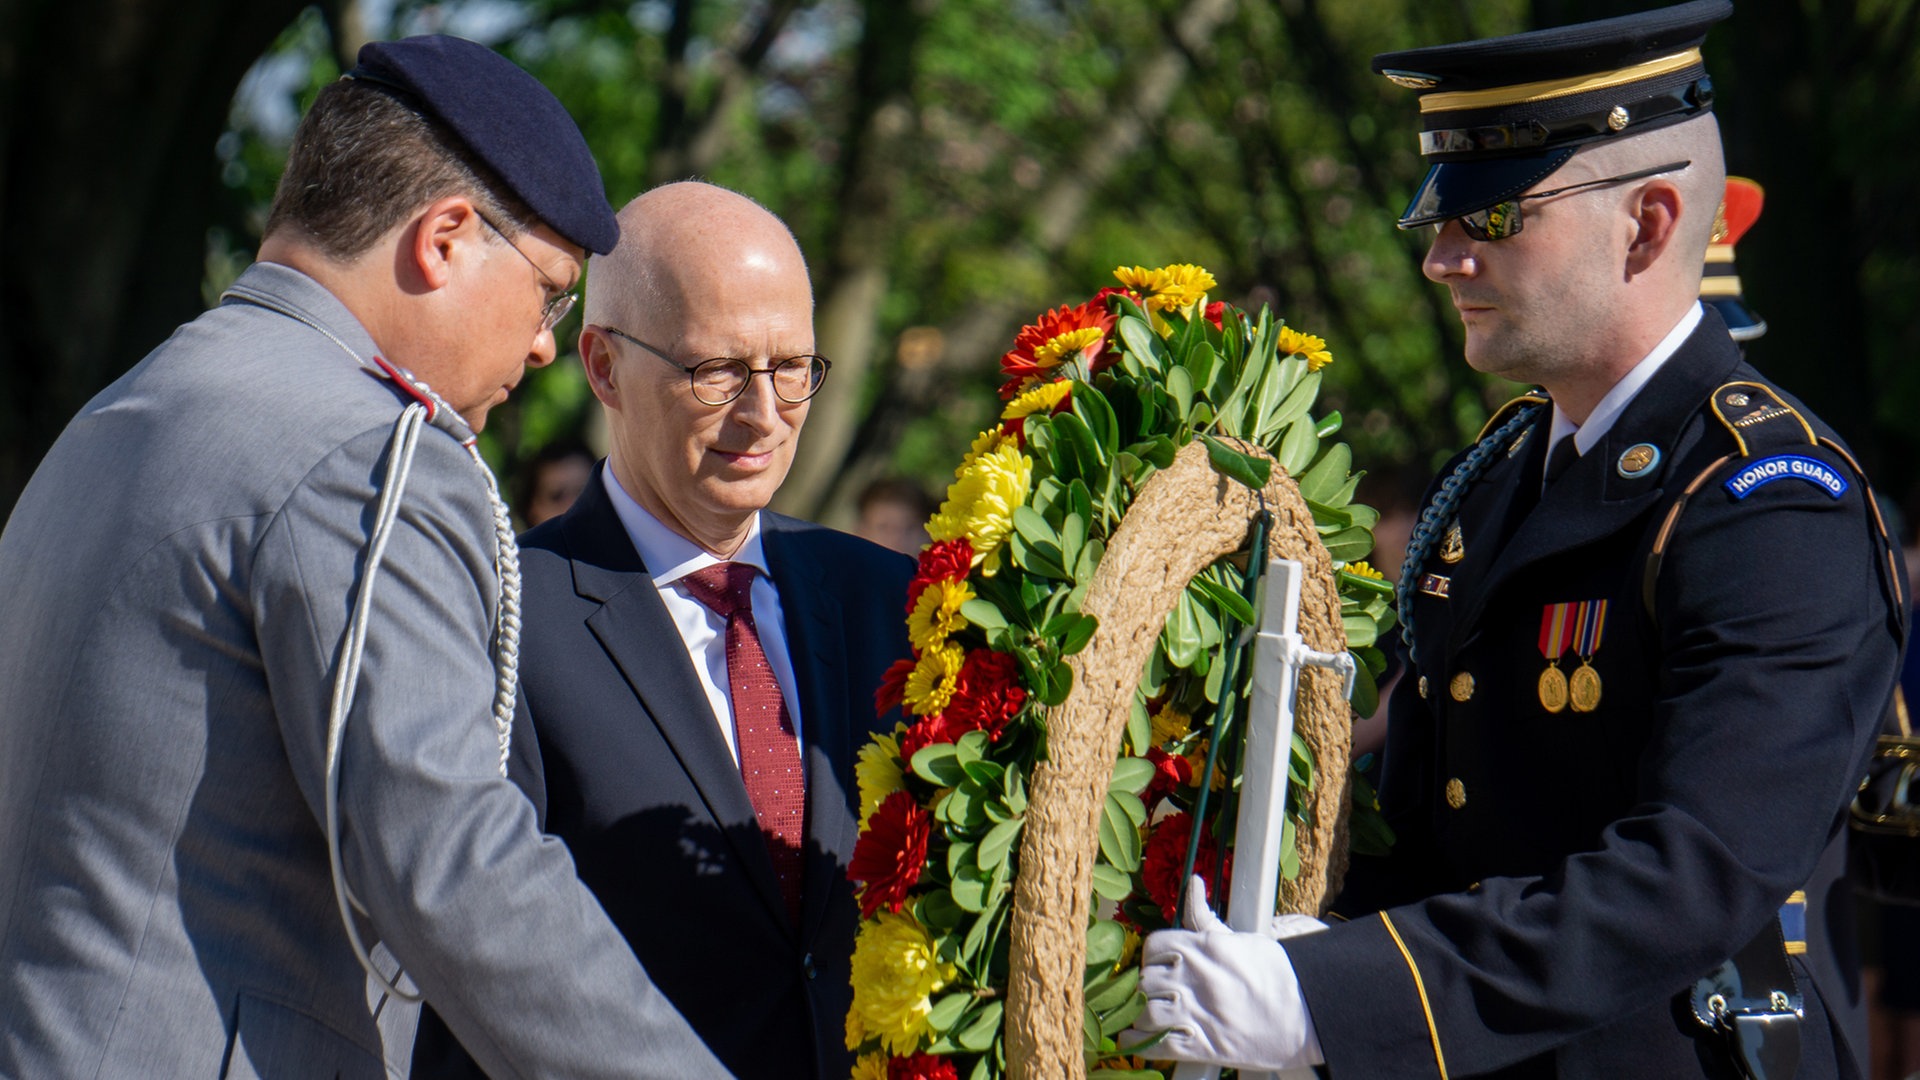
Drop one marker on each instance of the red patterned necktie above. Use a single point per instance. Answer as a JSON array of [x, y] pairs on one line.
[[762, 728]]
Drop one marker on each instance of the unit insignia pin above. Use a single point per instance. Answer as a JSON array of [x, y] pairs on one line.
[[1453, 546], [1617, 118], [1737, 399], [1638, 460]]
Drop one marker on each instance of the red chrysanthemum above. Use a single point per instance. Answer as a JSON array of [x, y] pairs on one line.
[[1215, 312], [925, 732], [893, 687], [943, 560], [1166, 851], [1170, 771], [1060, 336], [921, 1067], [890, 854], [987, 693]]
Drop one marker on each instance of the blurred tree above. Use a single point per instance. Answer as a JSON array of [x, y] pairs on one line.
[[954, 166]]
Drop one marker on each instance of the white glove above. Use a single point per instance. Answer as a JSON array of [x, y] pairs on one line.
[[1225, 998]]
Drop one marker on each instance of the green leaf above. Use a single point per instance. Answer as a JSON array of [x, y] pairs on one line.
[[1079, 634], [1351, 582], [969, 888], [1130, 805], [984, 773], [1181, 635], [1030, 524], [1159, 452], [1361, 630], [983, 614], [1119, 837], [1131, 775], [1299, 446], [1139, 725], [1084, 456], [1180, 387], [1111, 884], [1293, 408], [1249, 470], [1112, 992], [939, 765], [985, 1027], [1349, 545], [1329, 425], [1325, 478], [1039, 558], [1226, 599], [947, 1010], [999, 841], [1059, 684], [1106, 942], [1091, 406], [1366, 692], [1139, 340], [937, 911], [1073, 534]]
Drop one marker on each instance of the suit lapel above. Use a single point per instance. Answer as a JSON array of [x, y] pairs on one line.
[[1592, 499], [633, 626], [816, 642]]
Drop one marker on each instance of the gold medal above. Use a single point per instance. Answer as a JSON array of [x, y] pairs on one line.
[[1453, 546], [1584, 688], [1553, 689]]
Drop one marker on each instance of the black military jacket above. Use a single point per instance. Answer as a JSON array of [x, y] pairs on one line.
[[1560, 876]]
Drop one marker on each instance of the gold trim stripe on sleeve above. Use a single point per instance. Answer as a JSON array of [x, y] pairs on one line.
[[1523, 93], [1419, 985]]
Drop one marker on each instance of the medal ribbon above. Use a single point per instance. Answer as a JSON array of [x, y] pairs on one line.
[[1592, 626], [1557, 629]]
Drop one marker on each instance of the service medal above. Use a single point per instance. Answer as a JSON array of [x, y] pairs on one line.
[[1556, 634], [1553, 689], [1584, 688]]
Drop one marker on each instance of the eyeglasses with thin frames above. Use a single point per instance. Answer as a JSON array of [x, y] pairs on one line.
[[1504, 218], [556, 307], [719, 380]]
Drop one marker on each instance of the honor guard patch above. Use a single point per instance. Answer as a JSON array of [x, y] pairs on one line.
[[1758, 474]]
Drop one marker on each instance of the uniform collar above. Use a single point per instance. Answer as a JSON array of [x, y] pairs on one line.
[[1588, 435]]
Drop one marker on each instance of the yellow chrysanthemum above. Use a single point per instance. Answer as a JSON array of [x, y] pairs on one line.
[[877, 773], [1129, 950], [1169, 288], [994, 479], [895, 975], [1366, 570], [1065, 345], [1170, 724], [1294, 343], [936, 615], [930, 686], [1041, 399], [1197, 761], [870, 1067]]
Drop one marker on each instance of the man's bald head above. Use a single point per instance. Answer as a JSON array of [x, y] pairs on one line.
[[679, 244], [700, 274]]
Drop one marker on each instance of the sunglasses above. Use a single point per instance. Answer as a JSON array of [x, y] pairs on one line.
[[1504, 218]]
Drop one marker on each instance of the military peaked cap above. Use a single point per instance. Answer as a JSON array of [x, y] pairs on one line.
[[510, 122], [1720, 282], [1501, 114]]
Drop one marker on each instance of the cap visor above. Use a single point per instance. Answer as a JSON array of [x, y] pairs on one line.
[[1454, 188], [1742, 324]]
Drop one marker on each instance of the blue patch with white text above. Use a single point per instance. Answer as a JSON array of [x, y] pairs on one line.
[[1758, 474]]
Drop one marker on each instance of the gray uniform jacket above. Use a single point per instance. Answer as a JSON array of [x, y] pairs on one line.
[[174, 585]]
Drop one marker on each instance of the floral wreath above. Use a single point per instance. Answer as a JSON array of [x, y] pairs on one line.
[[1098, 398]]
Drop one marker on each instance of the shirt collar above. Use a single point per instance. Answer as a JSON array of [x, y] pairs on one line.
[[1588, 435], [668, 555]]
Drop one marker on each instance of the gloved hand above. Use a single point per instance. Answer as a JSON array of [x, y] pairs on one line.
[[1225, 998]]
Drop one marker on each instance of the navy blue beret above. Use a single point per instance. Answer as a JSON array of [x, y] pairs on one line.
[[1500, 114], [510, 122]]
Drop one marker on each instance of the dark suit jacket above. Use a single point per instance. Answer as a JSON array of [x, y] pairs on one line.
[[625, 760], [1559, 877]]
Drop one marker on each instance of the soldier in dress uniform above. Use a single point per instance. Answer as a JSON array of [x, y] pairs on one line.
[[1654, 621], [261, 599]]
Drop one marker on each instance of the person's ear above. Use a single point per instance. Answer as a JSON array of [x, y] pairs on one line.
[[596, 355], [438, 233], [1656, 218]]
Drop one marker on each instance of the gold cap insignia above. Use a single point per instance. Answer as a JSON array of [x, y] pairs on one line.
[[1456, 793], [1737, 399], [1461, 686], [1638, 460], [1617, 118]]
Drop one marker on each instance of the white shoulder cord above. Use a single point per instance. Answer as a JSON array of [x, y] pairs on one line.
[[400, 451]]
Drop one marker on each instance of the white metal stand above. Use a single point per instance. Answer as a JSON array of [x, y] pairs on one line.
[[1278, 655]]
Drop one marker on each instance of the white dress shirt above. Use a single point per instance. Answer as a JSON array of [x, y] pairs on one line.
[[671, 557], [1588, 435]]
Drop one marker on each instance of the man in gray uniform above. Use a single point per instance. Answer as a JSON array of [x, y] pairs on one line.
[[261, 603]]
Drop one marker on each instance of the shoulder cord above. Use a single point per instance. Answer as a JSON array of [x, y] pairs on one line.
[[400, 451], [1440, 513]]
